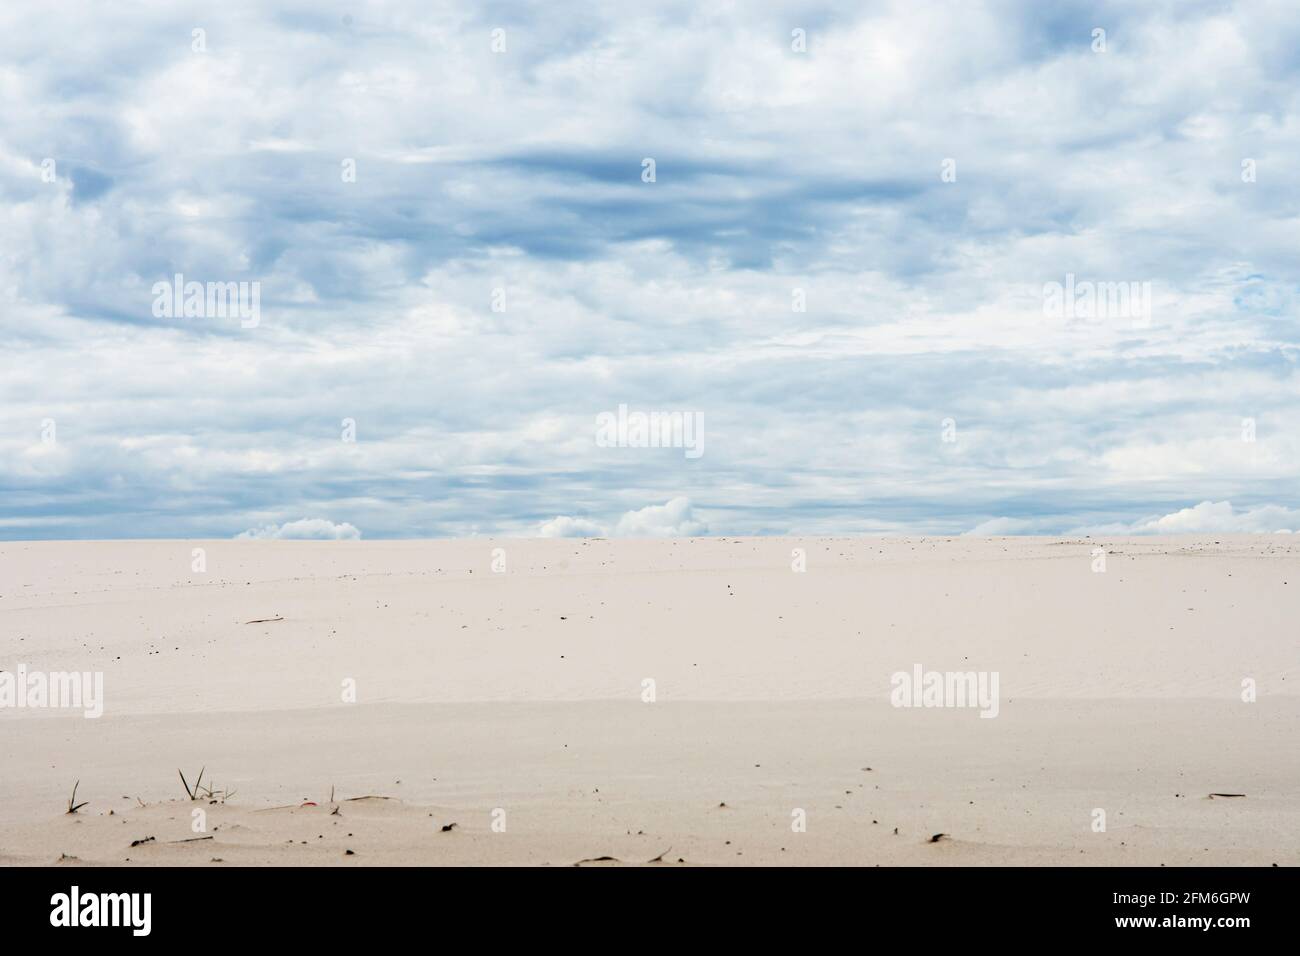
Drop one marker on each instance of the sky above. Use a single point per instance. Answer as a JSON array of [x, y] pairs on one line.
[[854, 244]]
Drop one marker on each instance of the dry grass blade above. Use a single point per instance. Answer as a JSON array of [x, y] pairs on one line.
[[192, 792], [73, 805]]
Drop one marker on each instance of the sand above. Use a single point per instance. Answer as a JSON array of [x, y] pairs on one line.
[[512, 704]]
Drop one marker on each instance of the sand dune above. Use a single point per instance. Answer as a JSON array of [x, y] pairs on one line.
[[513, 704]]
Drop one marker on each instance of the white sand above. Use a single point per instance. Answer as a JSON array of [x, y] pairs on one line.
[[522, 691]]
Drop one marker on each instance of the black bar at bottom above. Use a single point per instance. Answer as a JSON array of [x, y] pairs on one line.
[[323, 906]]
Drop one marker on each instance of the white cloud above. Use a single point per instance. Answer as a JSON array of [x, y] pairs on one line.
[[563, 526], [674, 519], [315, 529], [1208, 517], [671, 520], [998, 527], [1212, 516]]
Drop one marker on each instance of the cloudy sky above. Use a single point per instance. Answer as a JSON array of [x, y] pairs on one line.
[[841, 264]]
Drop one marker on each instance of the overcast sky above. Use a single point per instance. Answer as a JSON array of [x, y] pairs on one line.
[[499, 272]]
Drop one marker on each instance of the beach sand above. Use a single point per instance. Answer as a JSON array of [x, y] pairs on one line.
[[512, 704]]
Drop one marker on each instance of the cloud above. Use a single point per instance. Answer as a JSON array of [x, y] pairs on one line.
[[998, 527], [1216, 517], [315, 529], [671, 520], [563, 526], [674, 519]]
